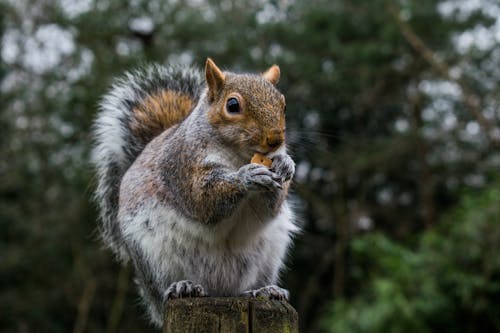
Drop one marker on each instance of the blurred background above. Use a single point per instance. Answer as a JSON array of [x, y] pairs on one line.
[[393, 117]]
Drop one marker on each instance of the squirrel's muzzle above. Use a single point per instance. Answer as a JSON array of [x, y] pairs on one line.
[[274, 140]]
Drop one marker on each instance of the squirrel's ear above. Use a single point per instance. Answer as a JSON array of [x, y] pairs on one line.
[[272, 74], [215, 78]]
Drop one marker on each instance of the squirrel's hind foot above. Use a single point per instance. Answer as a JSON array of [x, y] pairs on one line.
[[272, 292], [184, 288]]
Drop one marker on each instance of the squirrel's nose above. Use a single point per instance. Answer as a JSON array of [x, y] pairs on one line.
[[274, 141]]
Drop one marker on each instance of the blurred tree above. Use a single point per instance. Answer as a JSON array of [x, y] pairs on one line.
[[393, 136]]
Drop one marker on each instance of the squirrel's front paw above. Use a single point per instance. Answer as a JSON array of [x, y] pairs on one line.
[[271, 292], [182, 289], [256, 176], [284, 166]]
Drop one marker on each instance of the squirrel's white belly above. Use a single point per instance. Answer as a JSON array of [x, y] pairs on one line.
[[226, 259]]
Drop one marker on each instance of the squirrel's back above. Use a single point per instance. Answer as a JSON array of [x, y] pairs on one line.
[[139, 106]]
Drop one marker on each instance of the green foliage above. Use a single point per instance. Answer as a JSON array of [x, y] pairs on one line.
[[449, 281]]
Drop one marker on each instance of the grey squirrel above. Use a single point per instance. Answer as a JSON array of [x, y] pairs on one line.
[[178, 196]]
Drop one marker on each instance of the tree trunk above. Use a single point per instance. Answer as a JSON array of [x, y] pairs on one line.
[[228, 315]]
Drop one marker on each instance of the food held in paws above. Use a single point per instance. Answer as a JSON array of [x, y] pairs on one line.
[[261, 159]]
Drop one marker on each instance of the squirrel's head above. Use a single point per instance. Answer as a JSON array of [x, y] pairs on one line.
[[246, 109]]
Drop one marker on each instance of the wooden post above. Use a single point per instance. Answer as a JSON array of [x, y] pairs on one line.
[[229, 315]]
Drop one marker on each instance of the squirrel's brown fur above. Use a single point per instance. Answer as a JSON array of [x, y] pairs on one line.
[[159, 112]]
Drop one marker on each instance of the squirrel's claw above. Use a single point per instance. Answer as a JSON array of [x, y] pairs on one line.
[[271, 292], [284, 166], [182, 289], [256, 176]]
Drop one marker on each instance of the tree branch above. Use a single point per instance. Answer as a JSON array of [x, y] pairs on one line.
[[117, 307], [470, 100], [84, 306]]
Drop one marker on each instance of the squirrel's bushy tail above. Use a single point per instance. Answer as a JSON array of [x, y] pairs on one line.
[[138, 107]]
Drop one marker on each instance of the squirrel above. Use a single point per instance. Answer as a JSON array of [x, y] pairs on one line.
[[178, 196]]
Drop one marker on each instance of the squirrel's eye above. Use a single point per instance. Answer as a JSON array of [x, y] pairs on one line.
[[232, 105]]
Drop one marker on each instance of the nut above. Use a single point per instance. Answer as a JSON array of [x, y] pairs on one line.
[[261, 159]]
